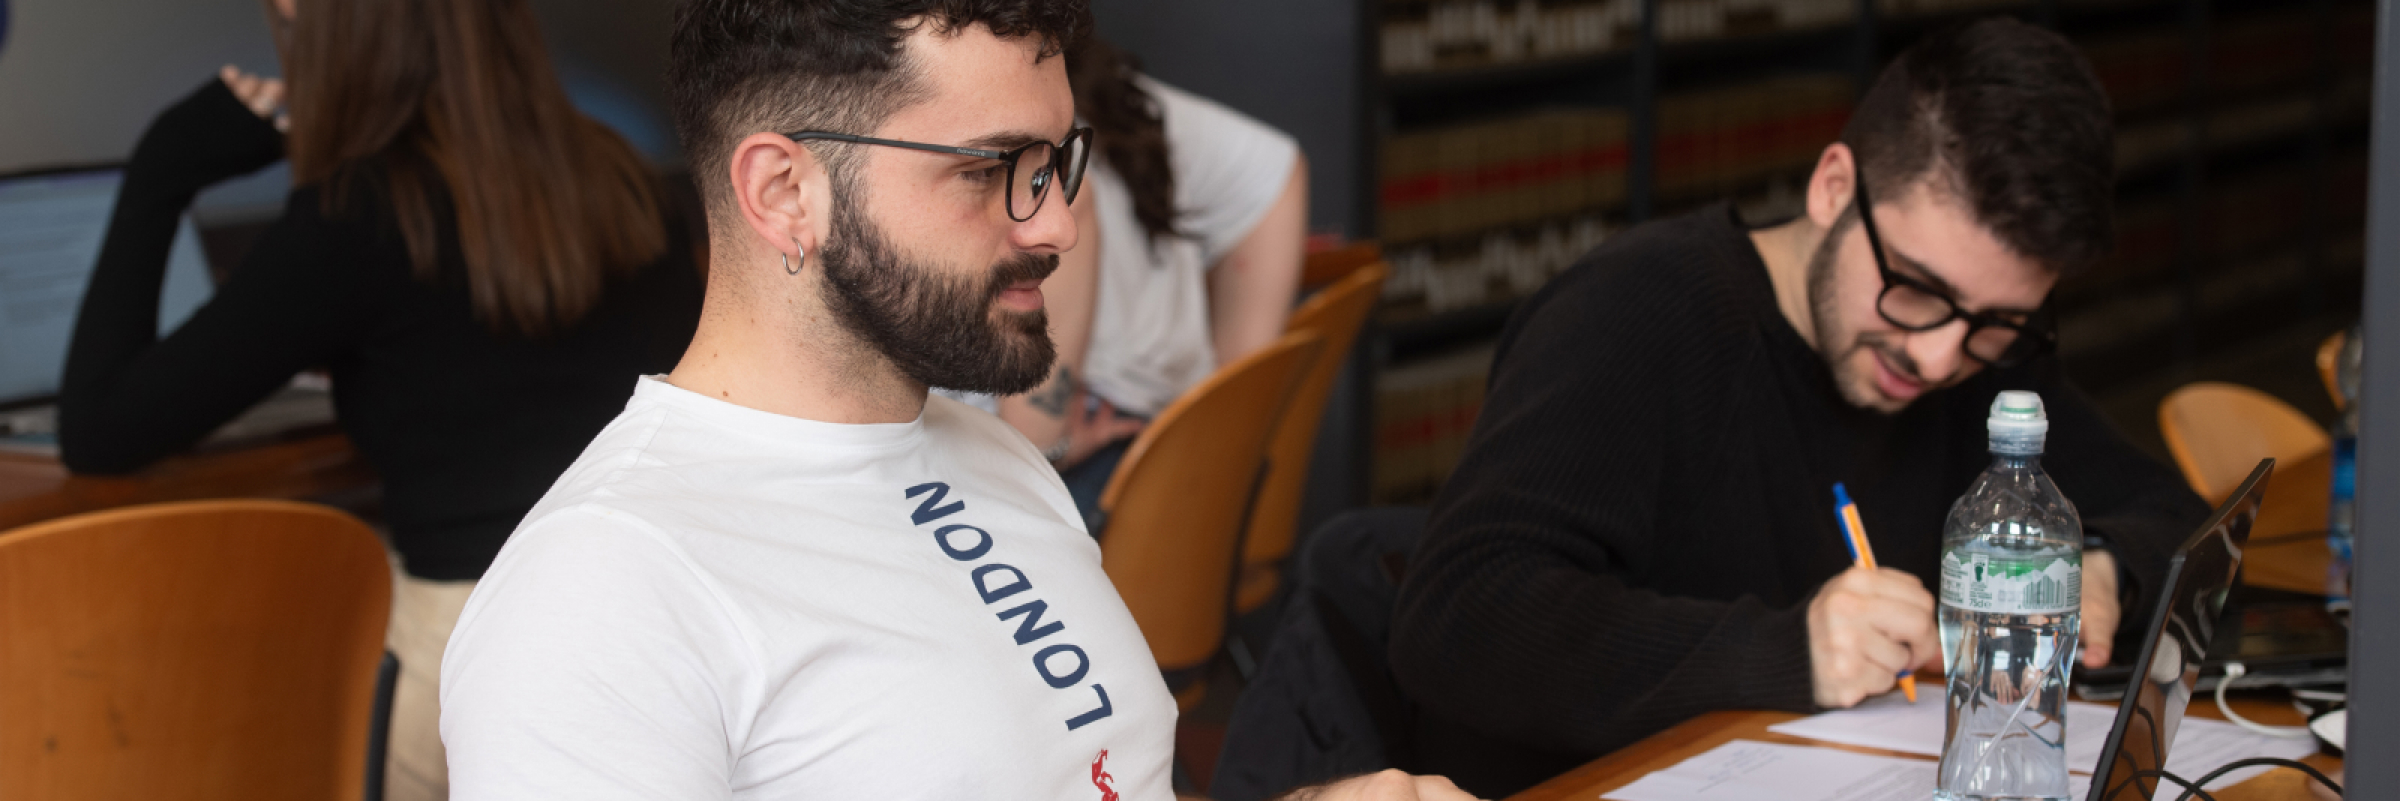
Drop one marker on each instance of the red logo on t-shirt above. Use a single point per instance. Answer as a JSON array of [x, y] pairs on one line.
[[1101, 779]]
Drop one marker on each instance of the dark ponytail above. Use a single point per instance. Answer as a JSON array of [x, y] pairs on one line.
[[1127, 128]]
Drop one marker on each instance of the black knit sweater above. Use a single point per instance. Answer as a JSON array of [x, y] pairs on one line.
[[466, 425], [1646, 508]]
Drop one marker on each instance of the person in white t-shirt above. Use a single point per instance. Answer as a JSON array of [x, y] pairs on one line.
[[1202, 218], [783, 571]]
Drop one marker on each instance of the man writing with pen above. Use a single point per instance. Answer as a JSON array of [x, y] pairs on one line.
[[1641, 530]]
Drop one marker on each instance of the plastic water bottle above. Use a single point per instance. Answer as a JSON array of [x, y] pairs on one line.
[[2012, 593], [2345, 476]]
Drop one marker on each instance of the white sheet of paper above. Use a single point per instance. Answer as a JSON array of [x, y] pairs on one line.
[[1891, 722], [1748, 770]]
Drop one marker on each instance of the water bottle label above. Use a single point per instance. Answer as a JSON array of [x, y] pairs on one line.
[[1979, 583]]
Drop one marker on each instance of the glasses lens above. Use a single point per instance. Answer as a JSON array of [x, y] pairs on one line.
[[1994, 343], [1034, 172], [1079, 150], [1912, 308]]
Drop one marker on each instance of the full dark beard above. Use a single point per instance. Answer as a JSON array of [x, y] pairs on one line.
[[940, 331]]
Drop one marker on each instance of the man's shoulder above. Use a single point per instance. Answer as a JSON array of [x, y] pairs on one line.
[[613, 459], [1690, 280], [1699, 259]]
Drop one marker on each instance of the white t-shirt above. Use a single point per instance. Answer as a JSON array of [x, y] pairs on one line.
[[1150, 331], [719, 602]]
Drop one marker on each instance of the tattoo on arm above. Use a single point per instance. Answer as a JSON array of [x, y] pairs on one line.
[[1051, 399]]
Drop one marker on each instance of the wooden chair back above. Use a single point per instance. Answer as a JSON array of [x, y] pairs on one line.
[[1327, 267], [1175, 508], [2329, 365], [203, 649], [1335, 314], [2218, 432]]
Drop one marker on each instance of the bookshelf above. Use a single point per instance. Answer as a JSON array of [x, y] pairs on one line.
[[1510, 137], [1487, 143]]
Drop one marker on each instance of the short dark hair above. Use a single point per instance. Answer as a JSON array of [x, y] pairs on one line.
[[737, 67], [2017, 126]]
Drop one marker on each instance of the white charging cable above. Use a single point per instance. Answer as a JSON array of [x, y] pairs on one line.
[[2235, 670]]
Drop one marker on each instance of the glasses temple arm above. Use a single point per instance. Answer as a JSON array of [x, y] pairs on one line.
[[869, 140]]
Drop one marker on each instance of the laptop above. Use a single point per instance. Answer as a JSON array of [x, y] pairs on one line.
[[52, 222], [2182, 631]]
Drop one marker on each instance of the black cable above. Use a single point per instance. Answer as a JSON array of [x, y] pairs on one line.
[[2239, 764], [2191, 789], [2131, 780]]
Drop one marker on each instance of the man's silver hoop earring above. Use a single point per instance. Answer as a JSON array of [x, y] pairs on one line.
[[794, 269]]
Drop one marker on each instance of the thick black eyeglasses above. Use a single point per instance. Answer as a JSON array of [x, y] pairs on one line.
[[1915, 306], [1032, 168]]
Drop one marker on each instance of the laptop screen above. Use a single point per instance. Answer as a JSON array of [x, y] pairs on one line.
[[51, 225], [2183, 628]]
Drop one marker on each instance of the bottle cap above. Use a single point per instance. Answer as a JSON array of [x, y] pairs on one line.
[[2018, 423]]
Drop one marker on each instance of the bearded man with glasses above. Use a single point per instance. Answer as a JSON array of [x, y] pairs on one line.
[[785, 571], [1642, 528]]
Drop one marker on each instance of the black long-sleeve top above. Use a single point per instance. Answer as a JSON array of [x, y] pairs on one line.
[[1645, 509], [466, 425]]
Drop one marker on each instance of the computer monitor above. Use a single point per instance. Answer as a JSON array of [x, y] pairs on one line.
[[51, 226], [2182, 630]]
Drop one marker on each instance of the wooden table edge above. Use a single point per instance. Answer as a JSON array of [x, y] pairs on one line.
[[1693, 737]]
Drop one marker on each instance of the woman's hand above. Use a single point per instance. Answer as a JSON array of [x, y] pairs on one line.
[[229, 127], [262, 95], [1089, 429]]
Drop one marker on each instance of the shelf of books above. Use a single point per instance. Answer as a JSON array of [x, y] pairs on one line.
[[2237, 199], [1517, 135], [1424, 411]]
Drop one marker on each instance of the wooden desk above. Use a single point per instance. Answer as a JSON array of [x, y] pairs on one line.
[[2289, 553], [297, 466], [1700, 734]]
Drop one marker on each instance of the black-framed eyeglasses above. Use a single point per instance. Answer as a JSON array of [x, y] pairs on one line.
[[1916, 306], [1032, 168]]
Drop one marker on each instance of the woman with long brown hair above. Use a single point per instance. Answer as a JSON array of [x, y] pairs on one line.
[[483, 270]]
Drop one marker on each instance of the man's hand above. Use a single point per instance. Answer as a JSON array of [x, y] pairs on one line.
[[1864, 628], [2100, 610], [1390, 785]]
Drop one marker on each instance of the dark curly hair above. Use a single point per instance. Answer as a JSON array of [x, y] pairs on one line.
[[737, 67], [2010, 118], [1126, 125]]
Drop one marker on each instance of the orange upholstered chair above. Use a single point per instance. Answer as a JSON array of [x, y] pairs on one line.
[[1336, 314], [2218, 432], [2329, 364], [1173, 514], [206, 649]]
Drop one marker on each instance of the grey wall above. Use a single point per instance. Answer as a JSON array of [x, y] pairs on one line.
[[1292, 65], [612, 55], [79, 79]]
